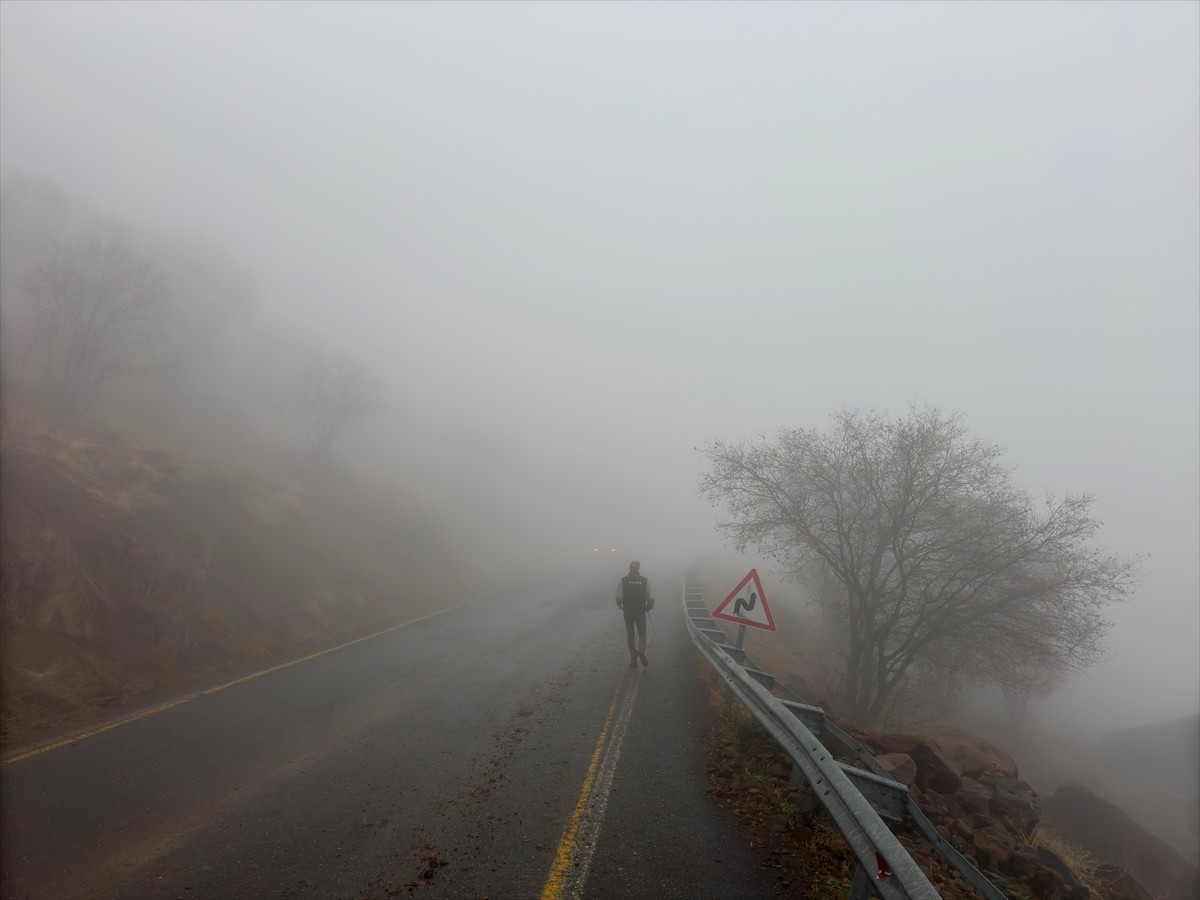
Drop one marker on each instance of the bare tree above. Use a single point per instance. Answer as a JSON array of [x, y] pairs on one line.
[[938, 559], [1028, 682], [97, 304], [326, 397]]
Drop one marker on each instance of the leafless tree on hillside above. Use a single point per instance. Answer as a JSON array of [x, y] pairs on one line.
[[97, 304], [1033, 679], [939, 558], [328, 396]]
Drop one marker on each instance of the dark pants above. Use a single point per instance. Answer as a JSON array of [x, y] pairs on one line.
[[635, 617]]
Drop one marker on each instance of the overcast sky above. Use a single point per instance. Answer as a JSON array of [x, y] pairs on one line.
[[603, 234]]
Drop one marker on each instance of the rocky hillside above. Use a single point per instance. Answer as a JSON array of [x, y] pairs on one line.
[[127, 569], [1082, 849], [1070, 845]]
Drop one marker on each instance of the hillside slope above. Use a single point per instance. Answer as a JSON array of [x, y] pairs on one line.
[[126, 569], [1070, 846]]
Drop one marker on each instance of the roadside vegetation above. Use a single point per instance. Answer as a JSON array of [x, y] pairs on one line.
[[129, 569], [174, 505], [913, 538]]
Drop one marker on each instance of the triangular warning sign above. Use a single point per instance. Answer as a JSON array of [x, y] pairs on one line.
[[747, 605]]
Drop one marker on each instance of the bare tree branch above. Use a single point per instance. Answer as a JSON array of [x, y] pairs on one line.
[[97, 304], [327, 397], [926, 552]]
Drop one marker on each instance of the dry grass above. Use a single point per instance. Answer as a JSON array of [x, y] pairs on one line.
[[748, 771], [97, 463], [1080, 860]]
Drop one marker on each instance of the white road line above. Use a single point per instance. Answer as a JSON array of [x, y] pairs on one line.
[[597, 802]]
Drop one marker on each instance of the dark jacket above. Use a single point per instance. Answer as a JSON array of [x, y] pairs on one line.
[[634, 594]]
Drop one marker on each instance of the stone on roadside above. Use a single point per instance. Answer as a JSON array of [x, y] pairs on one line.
[[994, 845], [934, 770], [1015, 805], [900, 766]]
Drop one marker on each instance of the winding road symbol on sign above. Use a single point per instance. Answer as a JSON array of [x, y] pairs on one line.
[[747, 605], [741, 603]]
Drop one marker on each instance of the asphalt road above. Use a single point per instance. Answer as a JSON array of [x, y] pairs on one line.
[[500, 749]]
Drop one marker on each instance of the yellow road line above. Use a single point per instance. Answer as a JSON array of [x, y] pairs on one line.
[[155, 710], [562, 857]]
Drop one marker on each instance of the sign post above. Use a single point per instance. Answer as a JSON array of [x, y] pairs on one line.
[[747, 605]]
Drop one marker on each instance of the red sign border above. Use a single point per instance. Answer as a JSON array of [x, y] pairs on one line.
[[762, 596]]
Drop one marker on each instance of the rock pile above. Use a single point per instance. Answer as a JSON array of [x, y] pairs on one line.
[[970, 790]]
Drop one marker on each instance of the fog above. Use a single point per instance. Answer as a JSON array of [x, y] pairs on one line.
[[574, 242]]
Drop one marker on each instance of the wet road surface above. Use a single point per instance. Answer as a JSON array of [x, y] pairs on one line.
[[500, 749]]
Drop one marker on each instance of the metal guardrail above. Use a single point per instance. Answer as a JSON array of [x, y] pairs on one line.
[[857, 800], [948, 851]]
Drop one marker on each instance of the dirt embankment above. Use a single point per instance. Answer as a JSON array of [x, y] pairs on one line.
[[127, 570]]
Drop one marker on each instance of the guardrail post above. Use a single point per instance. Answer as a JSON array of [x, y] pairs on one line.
[[797, 779], [729, 690], [860, 887]]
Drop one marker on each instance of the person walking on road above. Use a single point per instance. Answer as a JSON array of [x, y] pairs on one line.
[[635, 599]]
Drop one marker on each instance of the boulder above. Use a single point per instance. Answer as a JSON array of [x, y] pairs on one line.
[[969, 754], [980, 820], [954, 809], [1025, 863], [962, 829], [1119, 884], [994, 848], [932, 804], [1047, 884], [974, 797], [934, 770], [1055, 863], [900, 766], [1015, 805], [1113, 837]]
